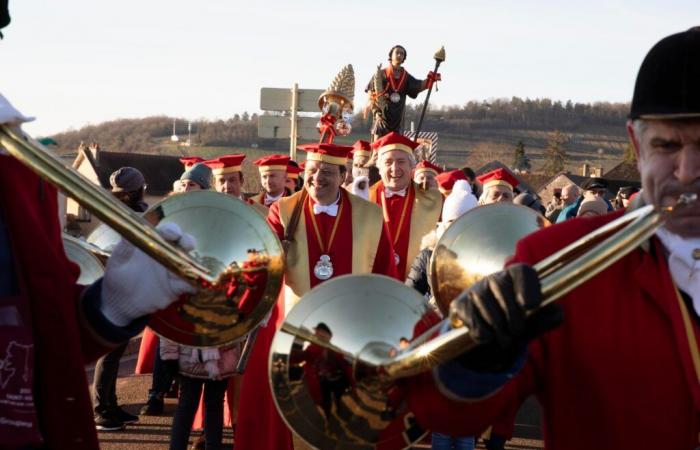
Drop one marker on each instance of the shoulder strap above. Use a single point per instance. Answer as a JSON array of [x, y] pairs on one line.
[[294, 220]]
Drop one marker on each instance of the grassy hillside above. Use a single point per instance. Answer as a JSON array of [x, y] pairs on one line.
[[473, 134]]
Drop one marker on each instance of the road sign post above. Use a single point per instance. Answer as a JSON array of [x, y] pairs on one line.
[[292, 126]]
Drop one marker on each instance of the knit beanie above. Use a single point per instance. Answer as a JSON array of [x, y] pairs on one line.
[[458, 202], [127, 179], [199, 173]]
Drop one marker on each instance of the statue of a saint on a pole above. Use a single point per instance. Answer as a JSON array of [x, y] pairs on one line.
[[388, 89]]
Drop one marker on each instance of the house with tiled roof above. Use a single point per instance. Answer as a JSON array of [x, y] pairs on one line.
[[97, 165]]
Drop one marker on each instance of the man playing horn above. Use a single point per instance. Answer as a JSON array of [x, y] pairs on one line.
[[620, 367]]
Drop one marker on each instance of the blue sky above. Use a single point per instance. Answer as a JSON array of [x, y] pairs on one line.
[[75, 62]]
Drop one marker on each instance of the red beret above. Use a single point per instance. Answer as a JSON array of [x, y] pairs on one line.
[[328, 153], [394, 141], [225, 164], [272, 162], [362, 148], [293, 171], [498, 177], [427, 166], [191, 161], [446, 180]]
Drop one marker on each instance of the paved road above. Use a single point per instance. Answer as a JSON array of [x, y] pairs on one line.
[[153, 433]]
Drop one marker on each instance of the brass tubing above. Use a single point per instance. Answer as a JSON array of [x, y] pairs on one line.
[[454, 342], [103, 205]]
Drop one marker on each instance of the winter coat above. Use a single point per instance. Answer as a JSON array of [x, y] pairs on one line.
[[204, 363]]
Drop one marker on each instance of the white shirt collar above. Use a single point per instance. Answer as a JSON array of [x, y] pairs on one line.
[[683, 263], [270, 199], [388, 193]]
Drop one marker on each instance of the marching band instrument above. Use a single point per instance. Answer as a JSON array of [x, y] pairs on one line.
[[477, 244], [237, 264], [91, 267], [369, 316]]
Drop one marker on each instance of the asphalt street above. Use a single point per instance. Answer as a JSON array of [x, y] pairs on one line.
[[153, 433]]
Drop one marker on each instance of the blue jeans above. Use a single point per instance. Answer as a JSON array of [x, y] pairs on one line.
[[444, 442]]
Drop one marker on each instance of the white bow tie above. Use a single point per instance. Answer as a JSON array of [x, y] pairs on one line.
[[684, 268], [331, 210], [389, 194]]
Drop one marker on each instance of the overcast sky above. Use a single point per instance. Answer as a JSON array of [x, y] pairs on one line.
[[75, 62]]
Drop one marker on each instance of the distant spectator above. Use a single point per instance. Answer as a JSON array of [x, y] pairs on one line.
[[471, 177], [592, 207], [624, 195], [595, 187], [197, 177], [529, 200], [592, 188], [498, 187], [554, 206]]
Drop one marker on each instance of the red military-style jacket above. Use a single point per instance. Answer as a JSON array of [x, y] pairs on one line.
[[66, 336], [621, 372]]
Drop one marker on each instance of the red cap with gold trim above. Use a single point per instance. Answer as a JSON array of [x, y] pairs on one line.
[[498, 177], [293, 171], [190, 161], [225, 164], [272, 162], [362, 148], [328, 153], [394, 141], [446, 180], [427, 166]]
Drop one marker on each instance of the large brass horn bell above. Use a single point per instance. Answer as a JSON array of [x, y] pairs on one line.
[[238, 247], [478, 244], [323, 361], [91, 266]]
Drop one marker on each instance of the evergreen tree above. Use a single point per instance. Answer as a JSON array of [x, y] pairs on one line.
[[521, 163], [555, 153]]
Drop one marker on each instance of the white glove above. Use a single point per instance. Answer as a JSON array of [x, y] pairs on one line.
[[360, 187], [9, 115], [135, 285]]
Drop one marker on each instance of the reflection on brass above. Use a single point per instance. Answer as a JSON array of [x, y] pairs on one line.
[[234, 243], [367, 315], [478, 244], [86, 257], [237, 264], [325, 363]]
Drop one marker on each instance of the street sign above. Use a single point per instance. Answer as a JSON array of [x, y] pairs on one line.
[[278, 99], [293, 100], [280, 127]]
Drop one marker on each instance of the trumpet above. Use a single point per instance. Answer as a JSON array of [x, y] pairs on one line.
[[237, 264], [362, 324]]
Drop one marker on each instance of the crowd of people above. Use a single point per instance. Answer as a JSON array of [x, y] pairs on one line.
[[615, 365]]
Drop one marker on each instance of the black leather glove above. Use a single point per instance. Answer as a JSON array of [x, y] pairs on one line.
[[495, 311]]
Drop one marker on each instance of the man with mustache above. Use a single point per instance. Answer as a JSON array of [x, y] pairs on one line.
[[620, 368]]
